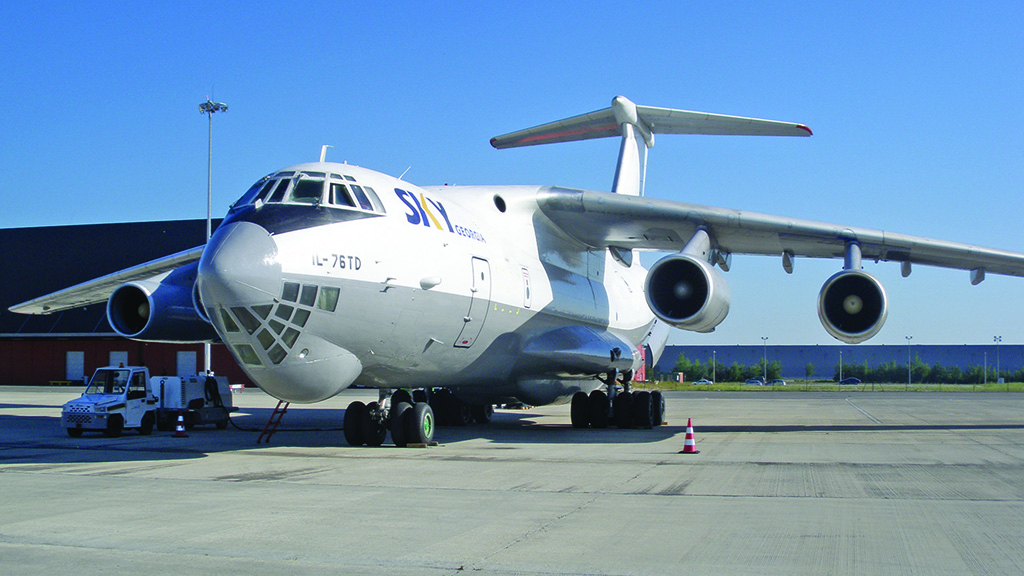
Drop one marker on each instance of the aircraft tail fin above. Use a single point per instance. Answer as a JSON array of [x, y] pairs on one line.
[[635, 123]]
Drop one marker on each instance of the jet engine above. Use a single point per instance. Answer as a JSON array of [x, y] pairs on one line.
[[687, 292], [852, 306], [159, 309]]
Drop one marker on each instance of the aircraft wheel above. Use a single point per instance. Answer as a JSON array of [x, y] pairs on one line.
[[598, 409], [115, 424], [354, 423], [146, 426], [75, 432], [399, 428], [462, 413], [401, 396], [657, 409], [642, 410], [482, 414], [623, 408], [579, 410], [439, 404], [374, 432], [420, 424]]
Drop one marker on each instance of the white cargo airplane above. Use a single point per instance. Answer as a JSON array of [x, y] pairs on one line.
[[325, 275]]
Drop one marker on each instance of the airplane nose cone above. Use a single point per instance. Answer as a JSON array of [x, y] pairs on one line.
[[240, 266]]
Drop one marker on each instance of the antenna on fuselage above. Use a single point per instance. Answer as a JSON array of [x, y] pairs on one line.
[[403, 173], [323, 151]]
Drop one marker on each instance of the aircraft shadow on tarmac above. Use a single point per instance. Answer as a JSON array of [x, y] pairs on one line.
[[775, 429], [40, 440]]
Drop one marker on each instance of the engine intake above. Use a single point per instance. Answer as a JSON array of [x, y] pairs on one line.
[[852, 306], [687, 292], [159, 311]]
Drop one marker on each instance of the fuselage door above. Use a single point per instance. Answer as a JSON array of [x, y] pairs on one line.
[[473, 322]]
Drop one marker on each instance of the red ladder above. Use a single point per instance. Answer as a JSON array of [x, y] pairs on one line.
[[274, 421]]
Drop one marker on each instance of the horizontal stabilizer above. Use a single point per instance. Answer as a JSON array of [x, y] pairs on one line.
[[605, 124]]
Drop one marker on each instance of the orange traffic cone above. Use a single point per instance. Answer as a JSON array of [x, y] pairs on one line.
[[179, 432], [689, 445]]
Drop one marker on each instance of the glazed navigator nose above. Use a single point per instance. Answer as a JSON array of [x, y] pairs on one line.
[[240, 266]]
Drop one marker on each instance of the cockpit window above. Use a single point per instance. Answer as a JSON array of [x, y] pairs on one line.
[[339, 196], [252, 192], [364, 202], [277, 194], [311, 189], [306, 191]]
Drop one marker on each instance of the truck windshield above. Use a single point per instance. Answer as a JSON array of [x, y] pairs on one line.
[[108, 382]]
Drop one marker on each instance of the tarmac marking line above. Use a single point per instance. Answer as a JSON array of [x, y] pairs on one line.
[[870, 417]]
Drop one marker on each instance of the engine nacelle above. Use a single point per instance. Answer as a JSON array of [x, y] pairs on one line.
[[852, 306], [159, 311], [687, 292]]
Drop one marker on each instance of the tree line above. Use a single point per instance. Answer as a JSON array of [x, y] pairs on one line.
[[883, 373]]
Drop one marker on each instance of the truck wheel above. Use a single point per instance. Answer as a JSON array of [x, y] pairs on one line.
[[115, 424], [75, 432], [146, 426]]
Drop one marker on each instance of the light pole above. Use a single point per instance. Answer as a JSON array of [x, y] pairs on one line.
[[714, 366], [208, 108], [997, 340], [909, 338], [765, 360]]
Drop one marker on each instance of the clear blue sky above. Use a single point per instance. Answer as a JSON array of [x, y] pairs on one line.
[[917, 110]]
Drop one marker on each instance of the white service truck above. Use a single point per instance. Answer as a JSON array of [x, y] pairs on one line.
[[120, 397]]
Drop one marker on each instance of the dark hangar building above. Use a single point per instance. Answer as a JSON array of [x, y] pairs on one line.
[[67, 346]]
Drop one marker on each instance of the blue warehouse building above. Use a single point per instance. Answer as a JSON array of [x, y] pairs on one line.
[[794, 359]]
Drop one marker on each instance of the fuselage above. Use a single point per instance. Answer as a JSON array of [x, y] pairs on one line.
[[327, 275]]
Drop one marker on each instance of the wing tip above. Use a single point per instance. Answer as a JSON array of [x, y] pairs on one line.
[[807, 128]]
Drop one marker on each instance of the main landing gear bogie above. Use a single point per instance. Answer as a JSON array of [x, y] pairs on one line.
[[410, 417], [624, 409], [369, 424]]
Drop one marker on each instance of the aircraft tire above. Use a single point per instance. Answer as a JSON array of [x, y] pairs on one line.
[[482, 413], [115, 424], [623, 408], [598, 409], [420, 424], [75, 432], [374, 432], [642, 410], [399, 434], [146, 425], [401, 395], [354, 423], [579, 410], [657, 408], [459, 413], [439, 404]]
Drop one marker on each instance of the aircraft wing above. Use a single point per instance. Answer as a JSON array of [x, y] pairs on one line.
[[601, 219], [100, 289]]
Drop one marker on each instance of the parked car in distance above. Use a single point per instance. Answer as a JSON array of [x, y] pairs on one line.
[[703, 381], [850, 380], [754, 382], [778, 382]]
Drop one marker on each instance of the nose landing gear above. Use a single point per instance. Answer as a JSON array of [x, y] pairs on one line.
[[410, 423]]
